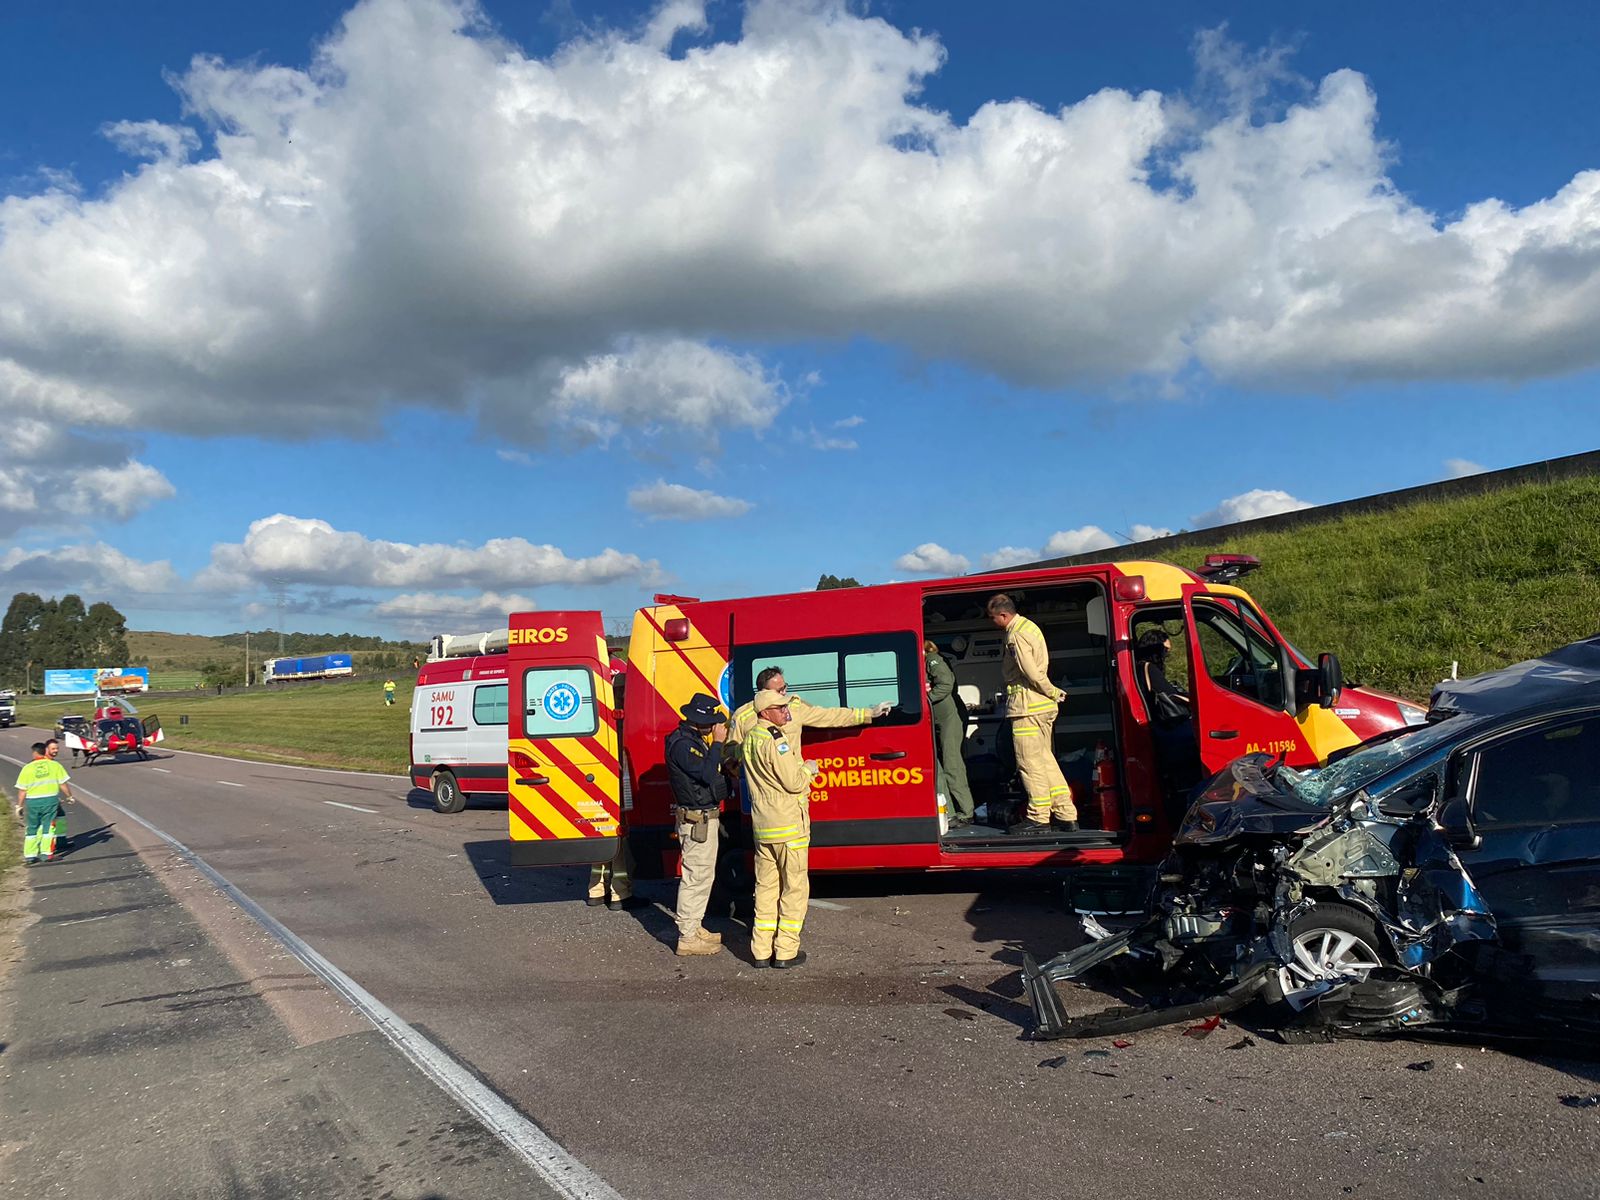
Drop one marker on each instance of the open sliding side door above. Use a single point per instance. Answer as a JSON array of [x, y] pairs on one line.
[[562, 783]]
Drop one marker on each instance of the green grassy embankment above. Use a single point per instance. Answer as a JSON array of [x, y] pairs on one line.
[[1487, 581], [341, 724]]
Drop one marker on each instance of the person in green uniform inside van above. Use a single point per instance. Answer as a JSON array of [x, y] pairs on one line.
[[41, 786], [949, 736]]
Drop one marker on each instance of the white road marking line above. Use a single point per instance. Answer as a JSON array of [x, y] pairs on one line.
[[256, 762], [830, 904], [163, 770], [85, 920], [566, 1175], [353, 807], [227, 783]]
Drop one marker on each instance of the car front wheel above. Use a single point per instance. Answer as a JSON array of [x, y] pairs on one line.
[[447, 794], [1332, 943]]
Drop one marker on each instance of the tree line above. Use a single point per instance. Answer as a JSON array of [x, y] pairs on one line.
[[37, 635]]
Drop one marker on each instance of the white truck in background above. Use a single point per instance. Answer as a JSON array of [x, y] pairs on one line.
[[8, 709]]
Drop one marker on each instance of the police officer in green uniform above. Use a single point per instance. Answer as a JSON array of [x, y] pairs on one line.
[[951, 734]]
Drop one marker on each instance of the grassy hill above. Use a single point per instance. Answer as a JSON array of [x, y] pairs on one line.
[[1486, 580]]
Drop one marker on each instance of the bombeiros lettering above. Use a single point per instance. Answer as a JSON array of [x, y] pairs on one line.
[[548, 635]]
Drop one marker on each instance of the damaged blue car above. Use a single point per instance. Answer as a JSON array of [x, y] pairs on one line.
[[1443, 876]]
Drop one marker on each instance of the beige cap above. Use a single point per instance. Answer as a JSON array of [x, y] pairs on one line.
[[767, 698]]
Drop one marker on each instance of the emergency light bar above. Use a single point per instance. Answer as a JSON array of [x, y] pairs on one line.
[[1225, 568]]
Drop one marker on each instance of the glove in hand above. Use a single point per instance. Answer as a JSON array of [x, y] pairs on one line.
[[813, 767], [882, 709]]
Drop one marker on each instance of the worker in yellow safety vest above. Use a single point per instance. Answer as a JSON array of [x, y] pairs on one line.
[[1031, 705], [779, 781], [41, 786]]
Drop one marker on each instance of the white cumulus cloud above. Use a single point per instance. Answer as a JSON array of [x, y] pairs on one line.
[[674, 501], [433, 611], [1247, 506], [930, 558], [1009, 556], [90, 569], [423, 213], [1460, 468], [1148, 533], [282, 549], [1078, 541]]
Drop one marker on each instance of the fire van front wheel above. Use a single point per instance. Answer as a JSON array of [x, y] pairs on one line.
[[447, 794]]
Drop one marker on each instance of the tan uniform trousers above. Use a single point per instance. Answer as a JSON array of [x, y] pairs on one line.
[[699, 872], [1048, 793], [613, 880], [783, 890]]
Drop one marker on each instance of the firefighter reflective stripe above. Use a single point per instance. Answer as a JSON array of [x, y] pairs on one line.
[[795, 926], [777, 833], [766, 926], [1032, 701]]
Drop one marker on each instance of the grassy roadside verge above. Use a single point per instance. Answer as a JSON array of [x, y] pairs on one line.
[[338, 724]]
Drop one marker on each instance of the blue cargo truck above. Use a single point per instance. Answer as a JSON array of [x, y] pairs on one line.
[[317, 666]]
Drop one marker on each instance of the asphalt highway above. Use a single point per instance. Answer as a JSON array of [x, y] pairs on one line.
[[894, 1064]]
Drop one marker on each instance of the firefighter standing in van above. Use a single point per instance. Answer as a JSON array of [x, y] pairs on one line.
[[1031, 704], [780, 819], [950, 734], [694, 769]]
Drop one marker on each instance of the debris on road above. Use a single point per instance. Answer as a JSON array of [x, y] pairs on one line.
[[1243, 1043], [1425, 1065], [1205, 1029], [1590, 1101]]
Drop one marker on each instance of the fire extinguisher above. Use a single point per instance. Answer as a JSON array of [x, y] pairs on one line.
[[1105, 788]]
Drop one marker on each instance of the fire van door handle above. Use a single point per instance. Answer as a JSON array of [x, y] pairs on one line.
[[534, 781], [887, 755], [1223, 735]]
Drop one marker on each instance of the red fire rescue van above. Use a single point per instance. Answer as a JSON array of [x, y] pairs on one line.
[[585, 761]]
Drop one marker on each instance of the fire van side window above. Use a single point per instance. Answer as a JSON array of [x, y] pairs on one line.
[[489, 705], [1238, 656], [559, 702], [847, 672]]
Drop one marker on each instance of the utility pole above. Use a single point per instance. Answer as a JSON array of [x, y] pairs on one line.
[[247, 658]]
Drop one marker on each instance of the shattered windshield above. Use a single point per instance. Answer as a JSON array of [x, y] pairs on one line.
[[1321, 786]]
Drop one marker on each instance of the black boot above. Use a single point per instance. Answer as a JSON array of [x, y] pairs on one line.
[[1061, 826]]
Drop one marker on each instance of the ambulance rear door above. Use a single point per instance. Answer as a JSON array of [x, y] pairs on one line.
[[563, 791], [874, 802]]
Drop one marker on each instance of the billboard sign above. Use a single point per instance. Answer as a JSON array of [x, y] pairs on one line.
[[123, 679], [86, 681], [80, 682]]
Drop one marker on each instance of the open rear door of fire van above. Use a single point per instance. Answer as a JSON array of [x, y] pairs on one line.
[[562, 784]]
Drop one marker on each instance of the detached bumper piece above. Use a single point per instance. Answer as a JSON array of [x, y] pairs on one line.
[[1052, 1020]]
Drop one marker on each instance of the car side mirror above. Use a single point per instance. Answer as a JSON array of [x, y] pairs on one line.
[[1456, 821], [1320, 685], [1410, 799]]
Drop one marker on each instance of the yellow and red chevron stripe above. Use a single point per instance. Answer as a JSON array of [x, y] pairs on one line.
[[676, 670]]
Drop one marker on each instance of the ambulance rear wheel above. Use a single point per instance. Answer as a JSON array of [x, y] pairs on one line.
[[447, 794]]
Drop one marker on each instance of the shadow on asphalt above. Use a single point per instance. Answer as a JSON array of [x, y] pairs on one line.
[[423, 798]]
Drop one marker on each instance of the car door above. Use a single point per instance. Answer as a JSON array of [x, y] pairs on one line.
[[1243, 698], [851, 648], [1534, 798]]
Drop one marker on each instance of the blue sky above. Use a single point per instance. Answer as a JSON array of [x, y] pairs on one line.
[[564, 305]]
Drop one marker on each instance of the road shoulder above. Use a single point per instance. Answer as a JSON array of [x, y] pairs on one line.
[[144, 1062]]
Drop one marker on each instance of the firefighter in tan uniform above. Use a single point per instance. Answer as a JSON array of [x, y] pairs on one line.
[[780, 819], [1031, 704], [802, 714]]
